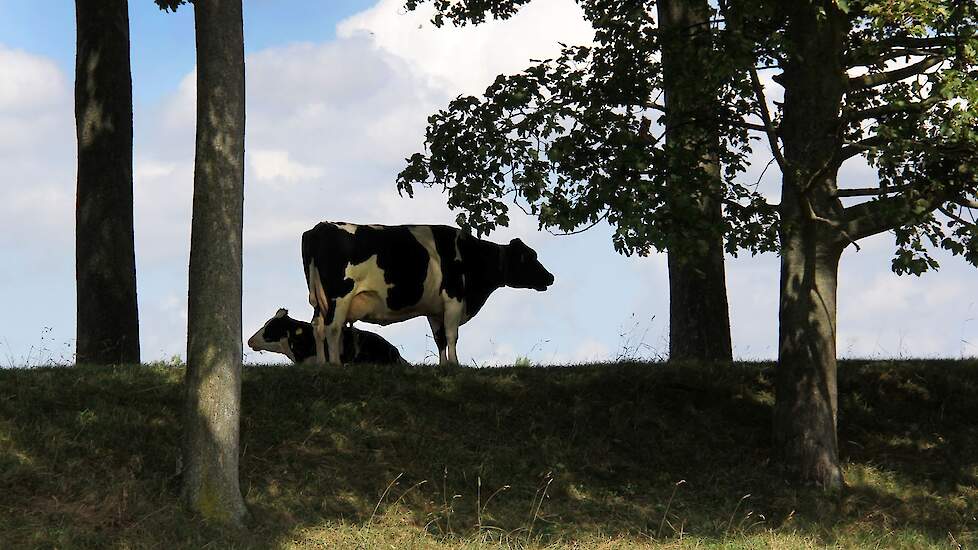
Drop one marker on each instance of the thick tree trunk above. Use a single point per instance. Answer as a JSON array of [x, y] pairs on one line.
[[105, 264], [805, 412], [213, 384], [806, 409], [699, 321]]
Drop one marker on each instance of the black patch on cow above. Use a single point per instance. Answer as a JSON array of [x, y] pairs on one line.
[[452, 269], [280, 327], [399, 254], [483, 271], [370, 347]]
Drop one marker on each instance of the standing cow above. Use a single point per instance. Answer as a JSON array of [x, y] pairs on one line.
[[385, 274]]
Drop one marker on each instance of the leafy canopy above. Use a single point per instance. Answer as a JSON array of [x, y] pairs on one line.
[[572, 140], [570, 136], [913, 116]]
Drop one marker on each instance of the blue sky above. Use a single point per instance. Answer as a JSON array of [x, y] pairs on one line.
[[338, 93]]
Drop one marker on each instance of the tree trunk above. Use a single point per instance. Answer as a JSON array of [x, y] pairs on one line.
[[805, 412], [806, 409], [213, 384], [699, 321], [105, 264]]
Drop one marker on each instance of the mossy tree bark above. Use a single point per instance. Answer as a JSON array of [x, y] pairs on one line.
[[814, 80], [699, 320], [105, 264], [214, 349]]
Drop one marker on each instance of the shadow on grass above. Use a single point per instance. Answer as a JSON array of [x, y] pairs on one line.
[[88, 456]]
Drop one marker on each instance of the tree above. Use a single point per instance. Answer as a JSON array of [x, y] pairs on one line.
[[570, 136], [214, 348], [699, 318], [105, 263], [910, 110], [891, 81]]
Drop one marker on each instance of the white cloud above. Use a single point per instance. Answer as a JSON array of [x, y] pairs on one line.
[[29, 83], [36, 152], [276, 166], [467, 59]]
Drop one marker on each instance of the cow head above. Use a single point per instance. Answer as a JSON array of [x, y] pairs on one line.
[[274, 335], [523, 269]]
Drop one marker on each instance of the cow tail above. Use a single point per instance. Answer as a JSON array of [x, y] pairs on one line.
[[317, 294]]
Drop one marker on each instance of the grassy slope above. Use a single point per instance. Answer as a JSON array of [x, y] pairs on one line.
[[587, 455]]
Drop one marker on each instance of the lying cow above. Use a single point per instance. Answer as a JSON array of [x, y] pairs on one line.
[[385, 274], [294, 338]]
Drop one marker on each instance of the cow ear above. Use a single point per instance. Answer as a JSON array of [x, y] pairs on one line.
[[282, 312]]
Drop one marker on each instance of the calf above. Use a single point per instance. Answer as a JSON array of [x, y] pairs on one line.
[[385, 274], [294, 338]]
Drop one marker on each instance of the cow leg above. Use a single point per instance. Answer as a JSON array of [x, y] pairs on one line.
[[453, 318], [319, 333], [334, 331], [438, 332]]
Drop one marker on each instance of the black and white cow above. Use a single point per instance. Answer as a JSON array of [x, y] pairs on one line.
[[294, 339], [385, 274]]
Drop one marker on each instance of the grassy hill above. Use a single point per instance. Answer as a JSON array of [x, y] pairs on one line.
[[602, 456]]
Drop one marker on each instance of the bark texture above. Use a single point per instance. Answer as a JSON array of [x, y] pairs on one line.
[[105, 264], [699, 321], [805, 414], [213, 384]]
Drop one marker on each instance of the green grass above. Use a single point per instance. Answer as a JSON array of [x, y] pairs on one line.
[[603, 456]]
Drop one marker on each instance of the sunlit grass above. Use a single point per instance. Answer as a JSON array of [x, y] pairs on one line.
[[602, 456]]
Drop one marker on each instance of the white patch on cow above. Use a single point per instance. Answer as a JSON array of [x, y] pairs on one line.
[[317, 295], [454, 311], [348, 227], [431, 300], [258, 342], [283, 345]]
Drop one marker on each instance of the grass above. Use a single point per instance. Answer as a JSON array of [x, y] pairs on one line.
[[601, 456]]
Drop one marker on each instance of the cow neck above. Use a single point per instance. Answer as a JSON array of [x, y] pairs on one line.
[[486, 267], [503, 265]]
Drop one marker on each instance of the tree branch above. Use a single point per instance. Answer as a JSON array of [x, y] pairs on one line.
[[581, 230], [954, 216], [872, 217], [769, 129], [870, 191], [916, 42], [854, 148], [967, 203], [893, 108], [749, 125], [896, 75], [888, 55]]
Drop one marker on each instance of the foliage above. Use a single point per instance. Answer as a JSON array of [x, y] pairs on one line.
[[921, 132], [569, 135], [171, 5], [573, 138], [373, 457]]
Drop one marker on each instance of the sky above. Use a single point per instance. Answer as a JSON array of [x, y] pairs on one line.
[[338, 94]]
